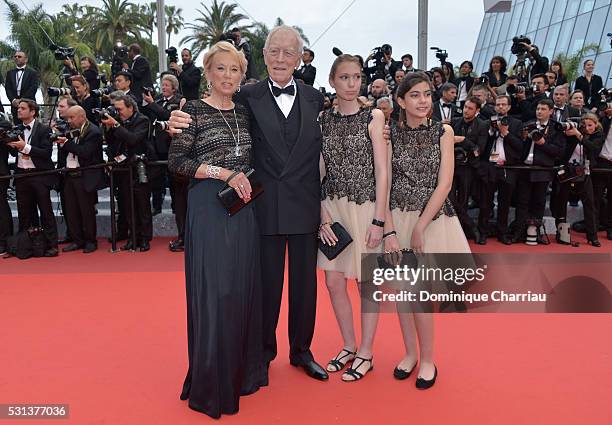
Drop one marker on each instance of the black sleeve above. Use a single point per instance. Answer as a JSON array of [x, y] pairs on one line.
[[87, 148], [29, 92], [140, 68], [191, 77], [134, 136]]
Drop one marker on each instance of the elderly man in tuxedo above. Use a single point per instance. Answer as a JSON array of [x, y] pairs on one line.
[[286, 143]]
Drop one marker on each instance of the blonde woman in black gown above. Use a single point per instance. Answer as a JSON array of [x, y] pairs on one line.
[[222, 263]]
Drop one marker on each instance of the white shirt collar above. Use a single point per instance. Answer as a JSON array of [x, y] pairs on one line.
[[21, 68], [136, 57], [274, 83]]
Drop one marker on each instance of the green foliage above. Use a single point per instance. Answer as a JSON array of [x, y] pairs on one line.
[[573, 63]]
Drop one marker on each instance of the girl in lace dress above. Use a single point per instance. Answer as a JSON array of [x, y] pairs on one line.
[[354, 164], [420, 215]]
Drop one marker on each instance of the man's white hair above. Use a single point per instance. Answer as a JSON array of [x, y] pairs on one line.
[[300, 42], [382, 100]]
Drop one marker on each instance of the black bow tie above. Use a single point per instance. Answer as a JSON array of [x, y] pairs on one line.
[[277, 91], [27, 127], [559, 109], [447, 105], [20, 69]]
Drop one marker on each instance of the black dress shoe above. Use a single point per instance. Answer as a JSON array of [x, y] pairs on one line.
[[481, 239], [312, 369], [609, 235], [177, 245], [144, 246], [71, 247], [402, 374], [594, 241], [128, 246], [505, 239], [89, 248], [52, 252], [66, 240], [423, 384]]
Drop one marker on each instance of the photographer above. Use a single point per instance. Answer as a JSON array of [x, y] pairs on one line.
[[504, 147], [378, 89], [580, 151], [84, 97], [127, 139], [438, 78], [123, 83], [464, 82], [470, 139], [242, 44], [543, 145], [487, 110], [445, 110], [537, 64], [383, 62], [158, 111], [590, 84], [496, 75], [81, 187], [602, 182], [20, 83], [562, 110], [141, 71], [307, 73], [537, 93], [189, 76], [33, 153], [6, 217]]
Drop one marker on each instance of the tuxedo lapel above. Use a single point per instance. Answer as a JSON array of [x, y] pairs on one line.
[[263, 107]]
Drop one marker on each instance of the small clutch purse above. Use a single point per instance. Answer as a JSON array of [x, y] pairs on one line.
[[403, 257], [344, 240], [230, 199]]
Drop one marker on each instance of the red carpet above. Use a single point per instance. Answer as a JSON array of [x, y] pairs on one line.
[[105, 333]]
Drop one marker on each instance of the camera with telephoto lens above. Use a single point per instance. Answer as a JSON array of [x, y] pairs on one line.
[[105, 91], [149, 91], [120, 56], [441, 54], [70, 133], [141, 168], [172, 54], [62, 53], [605, 99], [10, 134], [483, 80], [61, 125], [572, 122], [58, 91], [102, 113], [102, 78], [161, 125], [496, 121], [533, 132], [517, 48], [461, 156]]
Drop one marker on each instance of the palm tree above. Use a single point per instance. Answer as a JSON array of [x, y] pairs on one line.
[[174, 21], [571, 63], [211, 24]]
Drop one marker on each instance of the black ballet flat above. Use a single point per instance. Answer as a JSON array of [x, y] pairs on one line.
[[423, 384], [402, 374]]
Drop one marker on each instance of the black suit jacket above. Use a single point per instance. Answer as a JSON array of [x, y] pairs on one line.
[[41, 151], [155, 111], [291, 202], [89, 152], [568, 111], [129, 139], [436, 115], [4, 151], [546, 155], [29, 84], [513, 150], [307, 74], [475, 138], [141, 70], [189, 81]]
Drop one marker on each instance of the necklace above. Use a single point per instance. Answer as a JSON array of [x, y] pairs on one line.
[[236, 139]]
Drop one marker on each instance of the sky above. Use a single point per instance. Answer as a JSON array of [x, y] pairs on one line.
[[365, 25]]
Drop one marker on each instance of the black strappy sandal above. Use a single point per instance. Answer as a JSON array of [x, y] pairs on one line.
[[352, 371], [338, 363]]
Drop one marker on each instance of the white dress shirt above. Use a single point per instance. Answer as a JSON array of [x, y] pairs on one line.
[[284, 101], [72, 160], [499, 149], [19, 79], [23, 159]]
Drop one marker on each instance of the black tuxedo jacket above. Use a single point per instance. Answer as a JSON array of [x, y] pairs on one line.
[[545, 155], [291, 202], [307, 74], [129, 139], [568, 111], [513, 150], [29, 84], [156, 111], [41, 151], [436, 115], [141, 70], [89, 152], [189, 81], [475, 137], [4, 151]]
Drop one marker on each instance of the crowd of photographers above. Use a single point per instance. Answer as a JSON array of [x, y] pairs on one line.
[[520, 140]]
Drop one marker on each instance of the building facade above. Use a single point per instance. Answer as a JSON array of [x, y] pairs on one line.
[[560, 26]]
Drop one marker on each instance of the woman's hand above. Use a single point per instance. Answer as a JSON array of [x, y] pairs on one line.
[[326, 234], [241, 185], [373, 236], [416, 240], [178, 120], [391, 244]]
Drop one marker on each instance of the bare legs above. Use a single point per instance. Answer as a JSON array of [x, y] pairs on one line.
[[418, 331]]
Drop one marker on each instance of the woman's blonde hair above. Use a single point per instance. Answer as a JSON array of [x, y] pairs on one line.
[[225, 47], [593, 117]]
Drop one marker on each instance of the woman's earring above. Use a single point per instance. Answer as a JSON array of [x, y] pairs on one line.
[[238, 91], [209, 85]]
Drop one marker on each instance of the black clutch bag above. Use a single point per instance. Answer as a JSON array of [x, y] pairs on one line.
[[230, 199], [344, 240], [403, 257]]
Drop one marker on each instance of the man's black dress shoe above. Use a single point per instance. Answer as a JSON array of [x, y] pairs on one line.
[[423, 384], [505, 239], [144, 246], [66, 240], [52, 252], [128, 246], [89, 248], [71, 247], [177, 245], [312, 369], [481, 239]]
